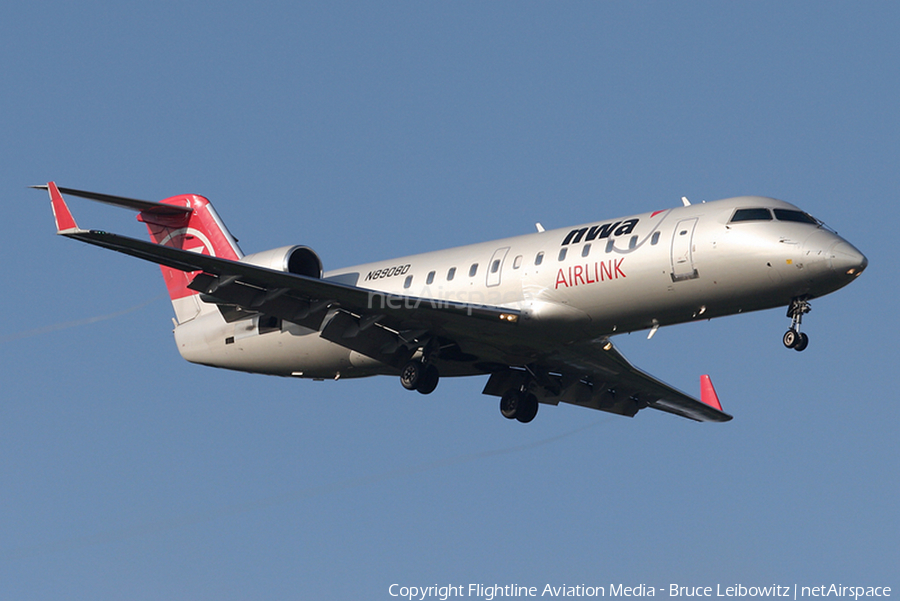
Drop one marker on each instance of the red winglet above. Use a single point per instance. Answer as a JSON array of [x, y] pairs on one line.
[[62, 214], [708, 393]]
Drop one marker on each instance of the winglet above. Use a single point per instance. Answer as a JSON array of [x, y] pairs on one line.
[[708, 393], [64, 220]]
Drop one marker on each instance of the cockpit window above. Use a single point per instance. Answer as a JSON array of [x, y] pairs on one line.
[[798, 216], [751, 215]]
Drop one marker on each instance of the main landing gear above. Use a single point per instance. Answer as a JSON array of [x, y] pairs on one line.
[[794, 338], [518, 404], [419, 375]]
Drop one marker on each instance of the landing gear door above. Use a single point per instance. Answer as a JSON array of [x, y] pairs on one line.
[[683, 251], [495, 267]]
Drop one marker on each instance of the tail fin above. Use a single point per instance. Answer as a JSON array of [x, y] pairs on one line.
[[187, 222], [199, 230]]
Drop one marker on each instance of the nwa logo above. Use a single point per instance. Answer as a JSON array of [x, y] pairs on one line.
[[619, 228]]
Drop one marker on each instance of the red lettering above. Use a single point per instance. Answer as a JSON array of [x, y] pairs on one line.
[[606, 270], [578, 276], [619, 269], [561, 279], [587, 274]]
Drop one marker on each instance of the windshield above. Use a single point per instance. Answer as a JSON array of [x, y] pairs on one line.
[[798, 216], [752, 215]]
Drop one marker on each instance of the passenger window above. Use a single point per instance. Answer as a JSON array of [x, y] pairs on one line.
[[495, 266], [654, 238], [610, 244], [408, 282], [562, 254], [451, 274], [518, 262], [797, 216], [539, 258], [751, 215], [633, 242], [586, 250], [430, 278], [473, 270]]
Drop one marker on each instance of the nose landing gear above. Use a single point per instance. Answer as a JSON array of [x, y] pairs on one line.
[[794, 338]]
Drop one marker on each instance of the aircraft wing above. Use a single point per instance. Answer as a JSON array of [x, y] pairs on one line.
[[377, 324], [632, 387], [388, 320]]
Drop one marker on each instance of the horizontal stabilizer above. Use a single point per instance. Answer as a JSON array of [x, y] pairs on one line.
[[145, 206]]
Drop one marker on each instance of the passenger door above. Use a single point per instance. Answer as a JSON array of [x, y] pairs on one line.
[[683, 251], [495, 267]]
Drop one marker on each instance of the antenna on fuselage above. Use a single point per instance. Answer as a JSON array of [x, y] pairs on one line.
[[686, 202], [540, 228]]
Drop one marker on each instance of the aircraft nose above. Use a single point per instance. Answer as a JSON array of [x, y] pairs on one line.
[[847, 260]]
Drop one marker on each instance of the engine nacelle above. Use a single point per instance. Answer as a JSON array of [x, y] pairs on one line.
[[300, 260]]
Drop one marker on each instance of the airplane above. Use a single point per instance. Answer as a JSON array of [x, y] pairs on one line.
[[535, 312]]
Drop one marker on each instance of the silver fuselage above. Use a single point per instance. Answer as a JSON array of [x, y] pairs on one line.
[[574, 284]]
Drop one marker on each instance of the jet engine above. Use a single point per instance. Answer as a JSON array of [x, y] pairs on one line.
[[300, 260]]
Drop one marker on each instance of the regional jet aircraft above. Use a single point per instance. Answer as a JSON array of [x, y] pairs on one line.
[[535, 313]]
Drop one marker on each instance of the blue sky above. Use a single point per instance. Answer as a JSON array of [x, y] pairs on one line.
[[371, 130]]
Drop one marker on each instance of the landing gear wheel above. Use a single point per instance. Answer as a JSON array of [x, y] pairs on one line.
[[510, 403], [791, 338], [411, 374], [795, 340], [528, 409], [428, 380]]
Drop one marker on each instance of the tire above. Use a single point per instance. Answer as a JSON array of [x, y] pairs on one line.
[[428, 381], [510, 403], [528, 410], [791, 338], [411, 375], [802, 342]]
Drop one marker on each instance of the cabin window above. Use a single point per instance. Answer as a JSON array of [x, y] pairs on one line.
[[751, 215], [408, 282], [473, 270], [539, 258], [495, 266], [610, 244], [654, 238], [562, 254], [451, 274], [586, 250], [797, 216], [632, 244], [517, 262], [430, 278]]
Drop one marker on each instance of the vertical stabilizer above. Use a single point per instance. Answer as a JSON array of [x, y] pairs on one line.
[[197, 229]]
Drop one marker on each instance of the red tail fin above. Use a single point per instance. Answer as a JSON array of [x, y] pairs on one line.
[[200, 231], [187, 222]]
